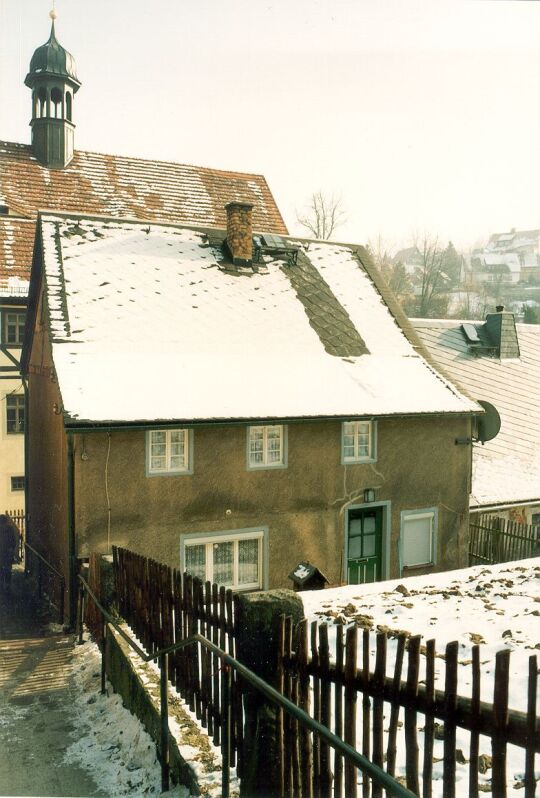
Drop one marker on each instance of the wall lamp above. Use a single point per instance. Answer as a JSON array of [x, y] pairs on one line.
[[369, 495]]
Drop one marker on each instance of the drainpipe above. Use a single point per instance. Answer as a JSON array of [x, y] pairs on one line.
[[72, 558]]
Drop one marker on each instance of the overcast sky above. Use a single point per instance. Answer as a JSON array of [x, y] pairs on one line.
[[419, 114]]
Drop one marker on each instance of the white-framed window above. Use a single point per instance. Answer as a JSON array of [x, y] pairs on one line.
[[13, 327], [234, 559], [358, 441], [169, 451], [267, 446], [14, 414], [418, 539]]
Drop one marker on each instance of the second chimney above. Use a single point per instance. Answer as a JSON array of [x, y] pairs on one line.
[[240, 232], [501, 328]]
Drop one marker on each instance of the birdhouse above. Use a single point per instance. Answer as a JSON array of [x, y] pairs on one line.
[[306, 576]]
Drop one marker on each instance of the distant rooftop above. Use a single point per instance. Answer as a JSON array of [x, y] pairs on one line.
[[507, 468]]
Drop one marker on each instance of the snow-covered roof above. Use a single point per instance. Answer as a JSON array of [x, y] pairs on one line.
[[506, 469], [509, 259], [147, 324]]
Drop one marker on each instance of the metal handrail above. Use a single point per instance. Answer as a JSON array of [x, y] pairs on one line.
[[58, 573], [378, 775], [55, 571]]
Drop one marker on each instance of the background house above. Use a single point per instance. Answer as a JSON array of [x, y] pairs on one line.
[[499, 361], [233, 404], [13, 300], [509, 258], [51, 173]]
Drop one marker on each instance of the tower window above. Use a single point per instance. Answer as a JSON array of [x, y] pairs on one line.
[[57, 103], [42, 103], [68, 106]]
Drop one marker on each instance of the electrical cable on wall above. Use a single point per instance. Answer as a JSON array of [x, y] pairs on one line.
[[107, 494]]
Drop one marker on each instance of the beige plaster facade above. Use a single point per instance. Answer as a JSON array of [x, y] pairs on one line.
[[11, 443], [303, 506], [11, 451]]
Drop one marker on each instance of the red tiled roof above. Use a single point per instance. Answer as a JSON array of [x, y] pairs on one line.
[[115, 185], [16, 245]]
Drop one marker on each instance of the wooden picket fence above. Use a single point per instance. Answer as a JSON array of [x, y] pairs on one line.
[[493, 540], [332, 674], [337, 686], [19, 519], [164, 606]]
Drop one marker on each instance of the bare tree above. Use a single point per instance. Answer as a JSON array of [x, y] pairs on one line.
[[394, 272], [322, 216], [437, 271]]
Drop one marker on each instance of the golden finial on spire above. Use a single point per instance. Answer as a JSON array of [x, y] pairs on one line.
[[52, 12]]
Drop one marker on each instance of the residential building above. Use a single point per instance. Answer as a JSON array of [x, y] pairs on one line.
[[508, 258], [13, 300], [233, 404], [498, 361]]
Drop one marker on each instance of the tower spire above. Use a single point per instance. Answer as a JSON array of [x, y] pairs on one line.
[[54, 82]]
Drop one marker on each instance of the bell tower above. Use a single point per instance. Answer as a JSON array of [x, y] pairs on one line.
[[54, 82]]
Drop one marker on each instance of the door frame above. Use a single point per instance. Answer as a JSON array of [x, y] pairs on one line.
[[386, 507]]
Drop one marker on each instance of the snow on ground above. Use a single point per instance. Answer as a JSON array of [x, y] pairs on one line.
[[496, 606], [111, 743]]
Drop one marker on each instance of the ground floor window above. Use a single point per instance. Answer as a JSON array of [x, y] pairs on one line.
[[418, 537], [17, 483], [232, 559]]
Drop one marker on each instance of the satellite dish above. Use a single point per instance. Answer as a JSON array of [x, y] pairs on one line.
[[488, 424]]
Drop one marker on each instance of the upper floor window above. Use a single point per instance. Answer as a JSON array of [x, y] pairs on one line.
[[358, 442], [13, 327], [169, 451], [14, 413], [267, 446]]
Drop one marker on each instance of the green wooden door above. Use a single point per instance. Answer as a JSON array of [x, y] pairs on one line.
[[364, 549]]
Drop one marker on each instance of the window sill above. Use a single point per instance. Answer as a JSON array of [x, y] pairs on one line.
[[424, 567], [169, 473], [275, 467]]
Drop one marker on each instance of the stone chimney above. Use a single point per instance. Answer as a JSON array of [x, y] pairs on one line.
[[501, 329], [240, 232]]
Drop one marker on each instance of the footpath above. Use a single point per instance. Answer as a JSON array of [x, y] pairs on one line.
[[36, 694]]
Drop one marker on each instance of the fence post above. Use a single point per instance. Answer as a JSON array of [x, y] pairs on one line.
[[164, 698], [226, 738], [62, 600], [103, 653], [258, 627], [80, 615]]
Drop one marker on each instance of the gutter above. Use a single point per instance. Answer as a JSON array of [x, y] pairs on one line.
[[104, 426]]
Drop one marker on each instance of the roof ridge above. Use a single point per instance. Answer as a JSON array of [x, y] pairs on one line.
[[144, 160]]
